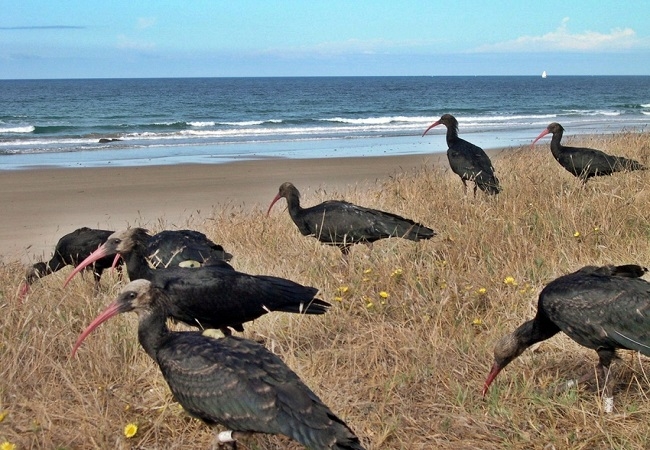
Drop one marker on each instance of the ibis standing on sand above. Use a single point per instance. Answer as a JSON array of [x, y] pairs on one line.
[[231, 381], [603, 308], [71, 249], [343, 224], [467, 160], [213, 295], [585, 163]]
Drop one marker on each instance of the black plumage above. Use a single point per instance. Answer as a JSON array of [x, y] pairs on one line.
[[213, 295], [231, 381], [467, 160], [343, 224], [71, 249], [187, 248], [585, 163], [603, 308]]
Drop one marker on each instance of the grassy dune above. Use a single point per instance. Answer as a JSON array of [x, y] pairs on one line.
[[405, 371]]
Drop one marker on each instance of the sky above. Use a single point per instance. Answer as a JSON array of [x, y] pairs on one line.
[[42, 39]]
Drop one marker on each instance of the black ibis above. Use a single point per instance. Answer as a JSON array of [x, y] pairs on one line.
[[603, 308], [71, 249], [213, 295], [186, 248], [585, 163], [467, 160], [343, 224], [230, 381]]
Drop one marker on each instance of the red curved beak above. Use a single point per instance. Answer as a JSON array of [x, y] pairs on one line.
[[434, 124], [491, 376], [115, 260], [277, 197], [112, 310], [24, 289], [94, 256], [541, 135]]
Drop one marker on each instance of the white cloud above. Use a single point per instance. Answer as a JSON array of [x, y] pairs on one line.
[[145, 22], [563, 40], [127, 43]]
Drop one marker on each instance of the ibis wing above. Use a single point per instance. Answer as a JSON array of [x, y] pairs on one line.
[[237, 383], [598, 310]]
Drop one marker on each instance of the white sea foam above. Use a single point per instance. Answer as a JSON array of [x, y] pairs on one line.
[[504, 118], [249, 123], [48, 141], [165, 124], [592, 112], [376, 120], [23, 129], [201, 124]]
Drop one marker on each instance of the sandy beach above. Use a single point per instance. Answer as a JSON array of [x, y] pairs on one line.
[[41, 205]]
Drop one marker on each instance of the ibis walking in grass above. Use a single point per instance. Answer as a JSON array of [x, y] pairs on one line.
[[343, 224], [213, 295], [233, 382], [585, 163], [467, 160], [71, 249], [188, 248], [602, 308]]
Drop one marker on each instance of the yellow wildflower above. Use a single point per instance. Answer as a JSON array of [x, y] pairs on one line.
[[596, 229], [7, 446], [343, 289], [477, 322], [3, 415], [510, 281], [367, 271], [384, 294], [130, 430], [481, 291], [525, 288], [576, 234], [396, 273]]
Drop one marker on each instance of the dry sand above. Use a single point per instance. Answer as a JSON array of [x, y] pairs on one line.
[[41, 205]]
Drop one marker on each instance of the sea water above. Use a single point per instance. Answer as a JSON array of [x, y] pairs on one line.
[[214, 120]]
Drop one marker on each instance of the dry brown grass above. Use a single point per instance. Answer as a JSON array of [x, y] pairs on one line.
[[406, 373]]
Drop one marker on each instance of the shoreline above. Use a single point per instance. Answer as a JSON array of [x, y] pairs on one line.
[[43, 204], [226, 153], [121, 156]]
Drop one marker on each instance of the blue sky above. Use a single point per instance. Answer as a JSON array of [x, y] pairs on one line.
[[193, 38]]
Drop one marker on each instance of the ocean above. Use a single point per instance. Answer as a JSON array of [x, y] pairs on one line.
[[213, 120]]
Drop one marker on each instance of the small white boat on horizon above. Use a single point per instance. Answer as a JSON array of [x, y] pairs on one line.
[[544, 74]]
